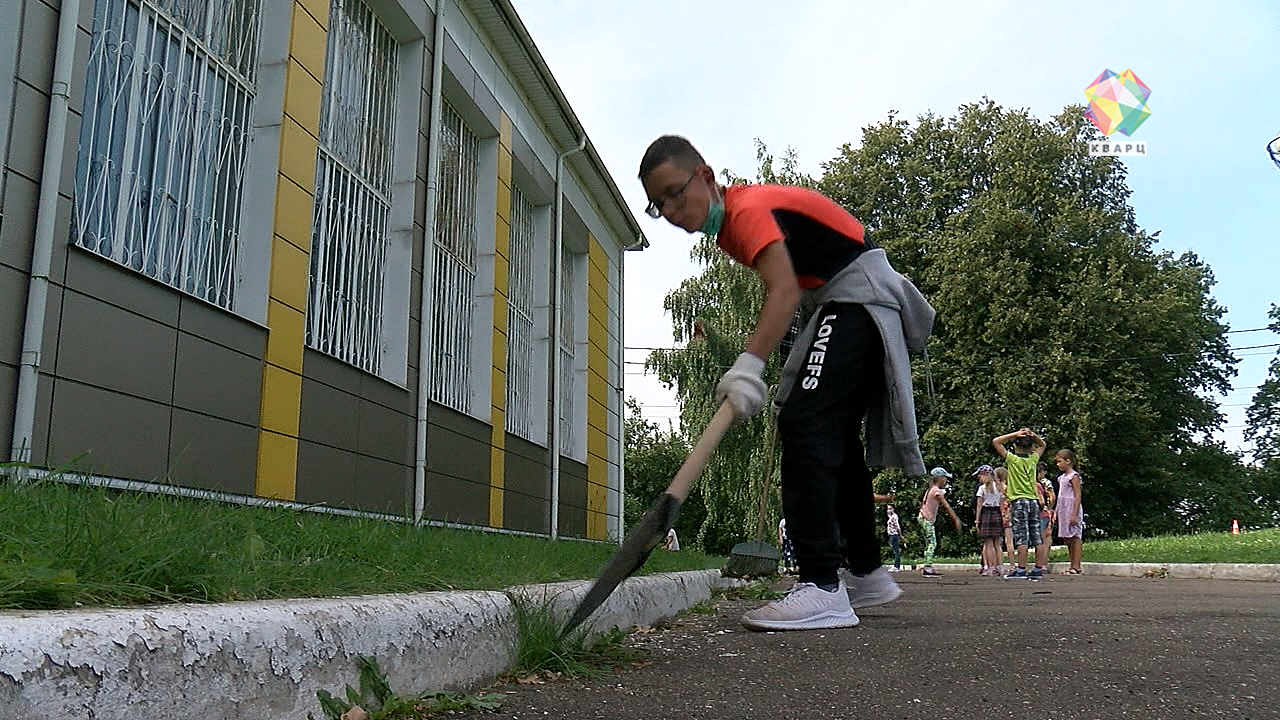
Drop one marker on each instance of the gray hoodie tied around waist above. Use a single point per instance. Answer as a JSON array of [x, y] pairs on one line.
[[905, 320]]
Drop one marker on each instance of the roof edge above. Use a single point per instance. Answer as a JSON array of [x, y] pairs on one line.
[[518, 30]]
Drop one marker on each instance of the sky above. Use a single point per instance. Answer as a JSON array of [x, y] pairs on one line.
[[811, 76]]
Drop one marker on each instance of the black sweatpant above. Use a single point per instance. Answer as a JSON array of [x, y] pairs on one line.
[[826, 485]]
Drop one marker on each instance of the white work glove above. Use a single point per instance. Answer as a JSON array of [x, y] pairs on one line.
[[742, 386]]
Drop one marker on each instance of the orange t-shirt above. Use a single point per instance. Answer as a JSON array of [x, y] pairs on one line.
[[822, 237]]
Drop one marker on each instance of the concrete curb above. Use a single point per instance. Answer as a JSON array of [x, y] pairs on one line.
[[1255, 572], [267, 659]]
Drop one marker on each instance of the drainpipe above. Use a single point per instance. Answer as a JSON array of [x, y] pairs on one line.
[[426, 299], [556, 315], [640, 244], [24, 417]]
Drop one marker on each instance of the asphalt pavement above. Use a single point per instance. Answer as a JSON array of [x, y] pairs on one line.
[[961, 646]]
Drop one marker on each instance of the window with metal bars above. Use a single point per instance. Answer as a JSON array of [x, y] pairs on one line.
[[169, 95], [568, 343], [349, 234], [455, 262], [520, 302]]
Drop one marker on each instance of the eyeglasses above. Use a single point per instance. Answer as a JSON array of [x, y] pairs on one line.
[[655, 208]]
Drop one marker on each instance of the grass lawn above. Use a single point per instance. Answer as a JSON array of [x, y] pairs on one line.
[[67, 546], [1256, 546]]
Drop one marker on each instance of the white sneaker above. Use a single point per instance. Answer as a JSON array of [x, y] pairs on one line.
[[874, 588], [805, 607]]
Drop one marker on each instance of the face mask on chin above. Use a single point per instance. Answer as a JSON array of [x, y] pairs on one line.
[[715, 214]]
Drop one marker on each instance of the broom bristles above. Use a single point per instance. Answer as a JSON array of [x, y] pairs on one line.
[[752, 560], [745, 566]]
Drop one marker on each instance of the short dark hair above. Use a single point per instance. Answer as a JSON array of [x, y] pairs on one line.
[[670, 147], [1023, 441]]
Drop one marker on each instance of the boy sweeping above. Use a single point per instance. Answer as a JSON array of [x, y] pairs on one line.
[[849, 363]]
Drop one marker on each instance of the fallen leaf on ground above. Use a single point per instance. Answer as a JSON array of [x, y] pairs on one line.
[[355, 713]]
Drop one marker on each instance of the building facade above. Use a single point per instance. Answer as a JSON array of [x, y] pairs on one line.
[[350, 254]]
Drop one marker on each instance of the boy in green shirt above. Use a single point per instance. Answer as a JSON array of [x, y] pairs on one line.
[[1024, 508]]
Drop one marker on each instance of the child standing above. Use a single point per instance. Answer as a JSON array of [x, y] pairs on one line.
[[1070, 508], [990, 525], [1044, 492], [788, 551], [933, 497], [1006, 521], [1024, 509], [894, 529]]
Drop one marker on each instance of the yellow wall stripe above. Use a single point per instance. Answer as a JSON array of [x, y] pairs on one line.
[[597, 392], [498, 383], [281, 401]]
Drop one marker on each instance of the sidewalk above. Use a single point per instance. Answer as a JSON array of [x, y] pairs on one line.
[[1201, 571], [1068, 647]]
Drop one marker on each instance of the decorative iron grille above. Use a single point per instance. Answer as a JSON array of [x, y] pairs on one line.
[[520, 289], [455, 262], [161, 161], [353, 188]]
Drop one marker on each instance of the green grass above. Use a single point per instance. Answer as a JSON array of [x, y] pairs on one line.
[[64, 545], [542, 651], [1256, 546]]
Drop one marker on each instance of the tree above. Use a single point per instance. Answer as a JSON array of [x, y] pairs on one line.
[[1262, 419], [1262, 428], [653, 456], [1054, 309]]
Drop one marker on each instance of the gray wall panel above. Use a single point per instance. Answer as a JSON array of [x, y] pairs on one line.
[[39, 35], [8, 397], [456, 422], [521, 512], [26, 139], [18, 227], [389, 394], [330, 371], [112, 283], [215, 325], [454, 455], [213, 380], [325, 474], [527, 491], [573, 498], [51, 343], [13, 304], [344, 479], [454, 500], [213, 454], [385, 434], [112, 348], [527, 469], [108, 433], [383, 486], [44, 411], [329, 416], [458, 467]]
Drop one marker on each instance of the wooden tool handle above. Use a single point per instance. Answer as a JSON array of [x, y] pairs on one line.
[[697, 459]]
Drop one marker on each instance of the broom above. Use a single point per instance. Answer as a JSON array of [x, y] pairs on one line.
[[758, 558]]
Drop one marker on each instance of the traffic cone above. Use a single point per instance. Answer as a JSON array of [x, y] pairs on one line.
[[1235, 527]]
